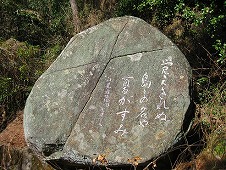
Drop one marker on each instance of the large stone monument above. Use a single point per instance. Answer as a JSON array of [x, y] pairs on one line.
[[117, 94]]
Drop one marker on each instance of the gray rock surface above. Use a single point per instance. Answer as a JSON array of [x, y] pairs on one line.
[[118, 90]]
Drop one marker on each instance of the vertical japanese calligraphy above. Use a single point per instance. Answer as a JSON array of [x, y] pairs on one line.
[[143, 115], [106, 99], [125, 99], [162, 105], [122, 102]]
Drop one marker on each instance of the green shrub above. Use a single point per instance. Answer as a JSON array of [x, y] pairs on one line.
[[221, 49], [38, 22], [201, 20], [21, 65]]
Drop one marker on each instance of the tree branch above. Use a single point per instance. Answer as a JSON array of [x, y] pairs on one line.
[[75, 16]]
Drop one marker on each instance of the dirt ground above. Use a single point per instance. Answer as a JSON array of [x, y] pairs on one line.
[[13, 135], [14, 153]]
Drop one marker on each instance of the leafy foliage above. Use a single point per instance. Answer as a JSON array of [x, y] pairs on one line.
[[21, 65], [39, 29], [19, 69], [37, 22], [201, 21]]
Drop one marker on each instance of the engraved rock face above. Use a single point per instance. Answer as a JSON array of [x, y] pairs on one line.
[[119, 89]]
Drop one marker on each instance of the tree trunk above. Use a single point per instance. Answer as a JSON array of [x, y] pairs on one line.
[[102, 5], [75, 16]]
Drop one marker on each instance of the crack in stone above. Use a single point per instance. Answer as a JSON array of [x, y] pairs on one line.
[[72, 67], [109, 59], [97, 80], [104, 67], [98, 77], [94, 62], [119, 56]]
